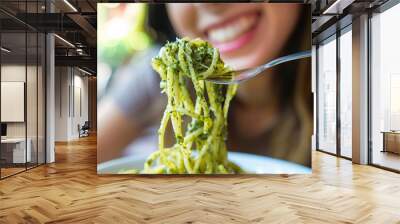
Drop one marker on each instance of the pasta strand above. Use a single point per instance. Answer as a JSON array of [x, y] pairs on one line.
[[200, 146]]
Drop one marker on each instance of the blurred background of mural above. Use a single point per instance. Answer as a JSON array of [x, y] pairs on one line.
[[122, 33]]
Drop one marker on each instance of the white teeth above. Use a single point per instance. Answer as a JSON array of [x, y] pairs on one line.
[[231, 30]]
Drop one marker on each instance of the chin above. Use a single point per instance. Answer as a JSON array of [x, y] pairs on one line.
[[246, 60]]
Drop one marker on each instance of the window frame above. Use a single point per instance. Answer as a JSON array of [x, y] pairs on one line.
[[333, 37], [378, 10]]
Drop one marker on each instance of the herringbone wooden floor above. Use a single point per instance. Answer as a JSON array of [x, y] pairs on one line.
[[70, 191]]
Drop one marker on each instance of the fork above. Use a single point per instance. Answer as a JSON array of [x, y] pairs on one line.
[[246, 74]]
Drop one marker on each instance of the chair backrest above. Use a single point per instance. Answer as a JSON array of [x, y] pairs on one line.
[[86, 124]]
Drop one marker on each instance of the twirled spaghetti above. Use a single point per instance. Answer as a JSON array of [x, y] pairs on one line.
[[200, 146]]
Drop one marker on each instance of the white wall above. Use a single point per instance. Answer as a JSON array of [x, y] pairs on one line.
[[12, 101], [50, 93], [62, 81], [12, 73], [81, 85], [33, 126], [70, 83]]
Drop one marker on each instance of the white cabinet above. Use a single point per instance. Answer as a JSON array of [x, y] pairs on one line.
[[17, 148]]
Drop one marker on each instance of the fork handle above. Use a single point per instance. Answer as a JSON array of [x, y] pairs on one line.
[[290, 57]]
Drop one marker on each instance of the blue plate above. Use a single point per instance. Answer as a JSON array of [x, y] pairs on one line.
[[250, 163]]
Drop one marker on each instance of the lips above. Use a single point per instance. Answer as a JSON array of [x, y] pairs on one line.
[[233, 33]]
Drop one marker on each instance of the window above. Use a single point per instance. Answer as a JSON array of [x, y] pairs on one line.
[[346, 92], [385, 88], [327, 96], [22, 77]]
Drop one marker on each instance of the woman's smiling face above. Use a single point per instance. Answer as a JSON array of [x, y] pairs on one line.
[[247, 34]]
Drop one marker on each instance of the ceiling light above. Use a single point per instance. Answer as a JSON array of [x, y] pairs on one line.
[[84, 71], [79, 51], [70, 5], [5, 50], [65, 41], [337, 7]]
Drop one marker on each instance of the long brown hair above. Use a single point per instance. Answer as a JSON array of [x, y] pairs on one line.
[[290, 138], [302, 100], [295, 129]]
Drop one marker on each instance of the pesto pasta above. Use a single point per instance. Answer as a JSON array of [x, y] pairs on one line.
[[200, 144]]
